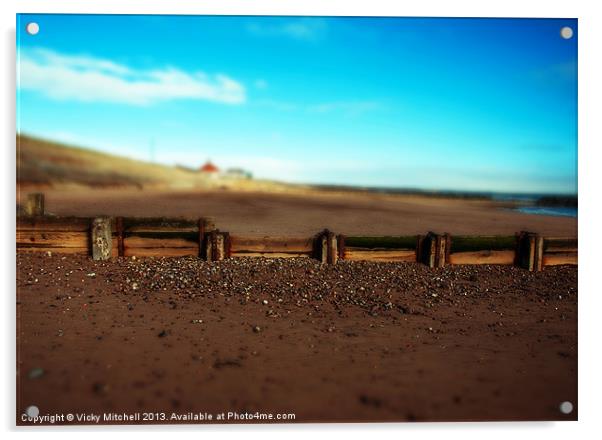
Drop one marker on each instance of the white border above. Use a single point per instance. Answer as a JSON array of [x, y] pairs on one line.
[[590, 143]]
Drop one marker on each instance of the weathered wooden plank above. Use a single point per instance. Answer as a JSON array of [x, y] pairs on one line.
[[148, 242], [271, 254], [556, 239], [362, 254], [558, 258], [190, 237], [57, 250], [51, 223], [482, 257], [151, 224], [271, 244], [463, 243], [559, 244], [386, 242], [52, 239], [553, 249], [167, 229], [161, 252]]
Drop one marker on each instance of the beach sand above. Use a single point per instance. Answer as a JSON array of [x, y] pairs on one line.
[[354, 342], [305, 212]]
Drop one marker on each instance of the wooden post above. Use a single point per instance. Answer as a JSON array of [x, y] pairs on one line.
[[332, 253], [34, 205], [341, 246], [209, 241], [448, 243], [321, 246], [120, 243], [219, 248], [323, 249], [538, 253], [529, 251], [439, 250], [227, 245], [101, 238], [214, 246], [419, 248], [433, 249], [201, 226]]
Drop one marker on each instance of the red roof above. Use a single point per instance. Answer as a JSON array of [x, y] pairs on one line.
[[209, 168]]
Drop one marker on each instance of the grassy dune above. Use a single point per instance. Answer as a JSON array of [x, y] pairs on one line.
[[45, 163]]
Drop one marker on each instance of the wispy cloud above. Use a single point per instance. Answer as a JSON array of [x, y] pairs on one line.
[[91, 79], [302, 29]]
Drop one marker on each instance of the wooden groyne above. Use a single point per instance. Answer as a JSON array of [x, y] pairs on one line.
[[106, 237]]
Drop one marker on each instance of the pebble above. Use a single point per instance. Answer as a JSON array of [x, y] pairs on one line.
[[378, 289]]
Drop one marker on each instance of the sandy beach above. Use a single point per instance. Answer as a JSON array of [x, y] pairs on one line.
[[354, 342], [304, 213]]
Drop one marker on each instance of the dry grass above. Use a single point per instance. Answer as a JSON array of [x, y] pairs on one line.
[[45, 163]]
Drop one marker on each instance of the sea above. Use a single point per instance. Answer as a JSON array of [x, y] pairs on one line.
[[529, 205], [557, 211]]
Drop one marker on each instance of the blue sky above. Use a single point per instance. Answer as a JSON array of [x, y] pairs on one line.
[[443, 104]]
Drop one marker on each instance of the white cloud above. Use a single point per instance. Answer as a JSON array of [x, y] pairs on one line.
[[90, 79], [302, 29]]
